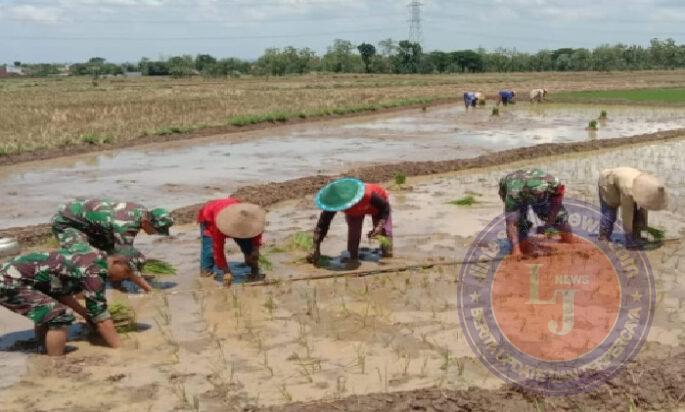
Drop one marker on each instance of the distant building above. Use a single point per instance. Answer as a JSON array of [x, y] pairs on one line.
[[133, 74], [15, 70]]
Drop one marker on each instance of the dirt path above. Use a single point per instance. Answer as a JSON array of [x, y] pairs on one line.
[[271, 193]]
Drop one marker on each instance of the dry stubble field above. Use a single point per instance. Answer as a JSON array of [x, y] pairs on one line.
[[46, 114]]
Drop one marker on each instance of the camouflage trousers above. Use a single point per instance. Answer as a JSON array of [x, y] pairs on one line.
[[35, 305]]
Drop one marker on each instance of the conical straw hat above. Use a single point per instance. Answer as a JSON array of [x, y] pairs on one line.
[[649, 192], [340, 194], [241, 220]]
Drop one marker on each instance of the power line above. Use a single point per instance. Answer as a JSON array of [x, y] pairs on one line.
[[268, 20], [387, 29]]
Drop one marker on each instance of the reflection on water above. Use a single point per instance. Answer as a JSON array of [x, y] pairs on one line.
[[195, 171]]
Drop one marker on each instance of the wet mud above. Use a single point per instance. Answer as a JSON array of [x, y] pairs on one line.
[[389, 328], [651, 383], [271, 193]]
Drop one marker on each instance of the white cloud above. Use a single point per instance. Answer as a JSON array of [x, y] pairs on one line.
[[49, 15]]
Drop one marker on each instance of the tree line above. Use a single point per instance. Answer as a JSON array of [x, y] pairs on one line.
[[389, 56]]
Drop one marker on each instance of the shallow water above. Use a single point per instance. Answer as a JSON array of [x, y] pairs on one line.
[[182, 173]]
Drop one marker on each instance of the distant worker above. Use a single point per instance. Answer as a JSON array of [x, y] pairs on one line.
[[506, 97], [538, 95], [470, 99], [481, 98], [109, 226], [356, 199], [228, 218], [43, 286], [635, 192], [533, 188]]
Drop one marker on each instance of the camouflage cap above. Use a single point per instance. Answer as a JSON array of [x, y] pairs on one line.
[[136, 260], [161, 219]]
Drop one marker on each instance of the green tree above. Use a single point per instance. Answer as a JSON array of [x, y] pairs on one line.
[[407, 58], [203, 62], [181, 66], [340, 59], [367, 51]]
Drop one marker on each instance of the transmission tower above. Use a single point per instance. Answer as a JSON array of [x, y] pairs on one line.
[[415, 31]]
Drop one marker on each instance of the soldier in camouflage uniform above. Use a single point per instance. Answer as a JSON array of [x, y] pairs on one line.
[[540, 191], [42, 285], [110, 226]]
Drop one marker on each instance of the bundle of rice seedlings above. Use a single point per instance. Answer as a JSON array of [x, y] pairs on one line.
[[154, 267], [384, 241], [400, 179], [467, 200], [303, 241], [657, 234], [265, 262], [123, 316]]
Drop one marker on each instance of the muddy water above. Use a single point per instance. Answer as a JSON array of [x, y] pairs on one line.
[[184, 173], [330, 338]]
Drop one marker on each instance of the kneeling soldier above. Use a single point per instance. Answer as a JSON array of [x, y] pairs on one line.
[[42, 286]]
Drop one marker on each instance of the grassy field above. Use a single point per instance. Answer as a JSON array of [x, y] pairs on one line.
[[668, 96], [40, 114]]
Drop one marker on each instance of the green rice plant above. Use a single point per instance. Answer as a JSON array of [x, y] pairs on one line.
[[303, 241], [400, 179], [467, 200], [158, 268], [495, 111], [657, 234], [123, 316], [264, 262], [383, 241], [93, 138], [592, 125], [603, 114]]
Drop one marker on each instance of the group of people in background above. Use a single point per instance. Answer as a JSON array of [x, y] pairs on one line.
[[504, 97]]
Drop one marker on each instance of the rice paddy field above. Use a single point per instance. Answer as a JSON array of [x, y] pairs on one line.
[[384, 336], [54, 113]]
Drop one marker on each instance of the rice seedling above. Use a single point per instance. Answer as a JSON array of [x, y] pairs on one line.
[[123, 316], [658, 234], [265, 262], [593, 125], [301, 241], [467, 200], [495, 111], [158, 268], [361, 358], [603, 115], [400, 179], [383, 241], [287, 396]]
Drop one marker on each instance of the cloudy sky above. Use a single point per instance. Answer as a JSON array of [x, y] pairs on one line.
[[125, 30]]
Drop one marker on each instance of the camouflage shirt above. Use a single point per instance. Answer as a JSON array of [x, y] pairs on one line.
[[527, 187], [107, 224], [68, 271]]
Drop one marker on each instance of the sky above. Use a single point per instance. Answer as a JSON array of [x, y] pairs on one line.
[[126, 30]]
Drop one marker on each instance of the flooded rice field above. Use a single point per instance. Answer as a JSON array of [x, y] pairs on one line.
[[181, 173], [204, 347]]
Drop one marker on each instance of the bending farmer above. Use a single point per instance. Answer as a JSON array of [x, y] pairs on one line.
[[109, 226], [506, 97], [636, 193], [356, 199], [470, 99], [544, 194], [41, 286], [224, 218]]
